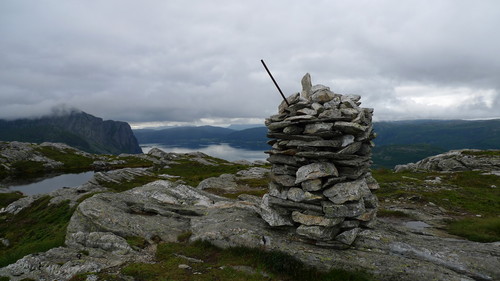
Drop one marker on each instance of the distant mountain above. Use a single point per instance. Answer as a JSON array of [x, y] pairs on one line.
[[239, 127], [446, 134], [397, 142], [77, 129], [253, 138], [183, 136]]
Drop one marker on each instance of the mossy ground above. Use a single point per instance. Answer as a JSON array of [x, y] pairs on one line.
[[37, 228], [192, 172], [7, 198], [472, 198], [223, 264]]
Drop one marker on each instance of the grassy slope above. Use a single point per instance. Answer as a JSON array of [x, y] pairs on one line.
[[222, 264], [472, 198], [34, 229]]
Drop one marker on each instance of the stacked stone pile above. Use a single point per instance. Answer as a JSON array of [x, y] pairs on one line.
[[320, 177]]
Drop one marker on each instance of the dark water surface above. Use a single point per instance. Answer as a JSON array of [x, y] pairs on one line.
[[50, 184]]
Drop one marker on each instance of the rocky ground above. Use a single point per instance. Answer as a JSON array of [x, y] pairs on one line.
[[98, 236]]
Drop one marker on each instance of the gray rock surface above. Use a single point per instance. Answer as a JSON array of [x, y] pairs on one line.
[[389, 250], [455, 160]]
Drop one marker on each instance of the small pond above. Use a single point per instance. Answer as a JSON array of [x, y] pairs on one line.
[[50, 184]]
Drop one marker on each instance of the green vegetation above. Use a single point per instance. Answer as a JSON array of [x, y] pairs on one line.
[[391, 155], [222, 264], [477, 229], [72, 161], [482, 153], [28, 167], [384, 213], [464, 195], [7, 198], [4, 278], [37, 228], [184, 237], [137, 242], [100, 276], [193, 172]]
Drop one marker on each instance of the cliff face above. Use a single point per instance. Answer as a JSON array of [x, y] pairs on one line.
[[77, 129]]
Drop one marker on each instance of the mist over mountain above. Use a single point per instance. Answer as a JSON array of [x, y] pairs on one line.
[[75, 128]]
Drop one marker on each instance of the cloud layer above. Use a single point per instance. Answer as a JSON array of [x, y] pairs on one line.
[[198, 62]]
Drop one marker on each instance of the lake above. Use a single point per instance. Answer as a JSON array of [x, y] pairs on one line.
[[51, 184], [222, 151]]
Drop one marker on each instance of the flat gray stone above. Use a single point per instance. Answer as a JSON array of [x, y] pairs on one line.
[[298, 195], [314, 128], [292, 99], [293, 130], [346, 191], [306, 219], [317, 232], [348, 210], [312, 185], [350, 127], [315, 171], [348, 236], [284, 180], [278, 191]]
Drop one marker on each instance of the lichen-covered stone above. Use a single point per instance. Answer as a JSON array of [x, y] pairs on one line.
[[315, 171], [306, 219], [346, 191]]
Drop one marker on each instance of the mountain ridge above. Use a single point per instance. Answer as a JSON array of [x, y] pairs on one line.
[[76, 128]]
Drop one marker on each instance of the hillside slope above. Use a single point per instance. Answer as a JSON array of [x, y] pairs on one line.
[[77, 129]]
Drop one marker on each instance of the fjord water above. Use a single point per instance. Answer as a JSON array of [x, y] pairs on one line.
[[223, 151], [51, 184]]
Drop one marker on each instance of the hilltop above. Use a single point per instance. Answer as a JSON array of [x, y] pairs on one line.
[[113, 227]]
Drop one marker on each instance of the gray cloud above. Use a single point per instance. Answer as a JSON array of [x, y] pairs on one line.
[[181, 61]]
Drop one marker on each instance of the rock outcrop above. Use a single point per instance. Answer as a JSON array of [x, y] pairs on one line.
[[98, 232], [76, 128], [320, 179], [457, 160], [162, 210]]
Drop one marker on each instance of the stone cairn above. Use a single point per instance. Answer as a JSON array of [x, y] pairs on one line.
[[320, 177]]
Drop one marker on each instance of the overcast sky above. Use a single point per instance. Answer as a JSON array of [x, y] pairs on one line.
[[198, 62]]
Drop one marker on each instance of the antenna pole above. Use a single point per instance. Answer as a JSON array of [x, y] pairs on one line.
[[276, 84]]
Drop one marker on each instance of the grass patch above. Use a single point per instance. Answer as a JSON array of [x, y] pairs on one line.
[[27, 167], [4, 278], [7, 198], [477, 229], [482, 153], [218, 265], [459, 192], [123, 186], [100, 276], [131, 162], [184, 237], [137, 242], [462, 194], [71, 160], [37, 228], [193, 172], [255, 183], [384, 213]]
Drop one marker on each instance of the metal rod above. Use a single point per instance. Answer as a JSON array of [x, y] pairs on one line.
[[276, 84]]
